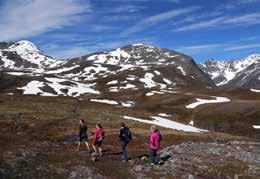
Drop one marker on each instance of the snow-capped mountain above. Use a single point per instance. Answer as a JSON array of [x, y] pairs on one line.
[[235, 73], [137, 67], [24, 55]]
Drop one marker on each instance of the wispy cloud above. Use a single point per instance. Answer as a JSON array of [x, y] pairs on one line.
[[203, 24], [125, 8], [247, 19], [197, 49], [218, 47], [224, 22], [79, 49], [247, 1], [175, 1], [242, 47], [238, 4], [26, 18], [155, 19]]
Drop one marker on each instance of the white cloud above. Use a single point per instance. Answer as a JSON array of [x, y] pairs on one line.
[[153, 20], [26, 18]]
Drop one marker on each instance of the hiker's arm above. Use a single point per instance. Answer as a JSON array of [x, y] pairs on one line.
[[79, 131], [121, 134], [95, 137], [156, 144], [151, 140]]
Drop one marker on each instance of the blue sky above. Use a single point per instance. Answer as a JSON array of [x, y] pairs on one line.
[[226, 29]]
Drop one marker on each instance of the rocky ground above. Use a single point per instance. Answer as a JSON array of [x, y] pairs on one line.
[[208, 160], [38, 138]]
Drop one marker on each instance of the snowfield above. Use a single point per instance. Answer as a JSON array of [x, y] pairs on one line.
[[128, 104], [17, 73], [112, 82], [207, 101], [33, 88], [159, 121], [255, 90], [104, 101], [181, 69], [74, 89], [115, 57], [256, 127], [62, 70], [147, 80], [164, 115]]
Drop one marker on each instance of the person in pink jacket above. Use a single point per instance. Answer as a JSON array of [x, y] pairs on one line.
[[154, 143], [99, 135]]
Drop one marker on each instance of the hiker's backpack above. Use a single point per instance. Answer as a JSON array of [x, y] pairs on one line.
[[127, 136]]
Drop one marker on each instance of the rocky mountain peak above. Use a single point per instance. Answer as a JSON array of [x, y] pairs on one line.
[[23, 47], [223, 72], [23, 55]]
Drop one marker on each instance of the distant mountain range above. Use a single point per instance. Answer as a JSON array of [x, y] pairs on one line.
[[138, 67], [243, 73]]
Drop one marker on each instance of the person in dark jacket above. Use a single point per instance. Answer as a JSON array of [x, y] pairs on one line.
[[125, 137], [83, 136]]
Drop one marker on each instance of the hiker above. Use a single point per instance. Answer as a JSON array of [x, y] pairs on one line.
[[99, 135], [154, 144], [125, 137], [83, 136]]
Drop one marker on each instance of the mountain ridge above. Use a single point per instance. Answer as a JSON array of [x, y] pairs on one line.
[[135, 67], [227, 73]]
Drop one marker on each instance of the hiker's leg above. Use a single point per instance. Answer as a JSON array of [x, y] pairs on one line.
[[87, 145], [79, 145], [122, 150], [100, 151], [153, 155], [95, 150], [126, 157]]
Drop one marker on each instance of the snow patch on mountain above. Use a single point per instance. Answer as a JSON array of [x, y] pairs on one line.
[[33, 88], [255, 90], [207, 101], [163, 122], [104, 101], [164, 115], [148, 80], [181, 69], [59, 86], [112, 82], [74, 89], [61, 70], [112, 58], [128, 104]]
